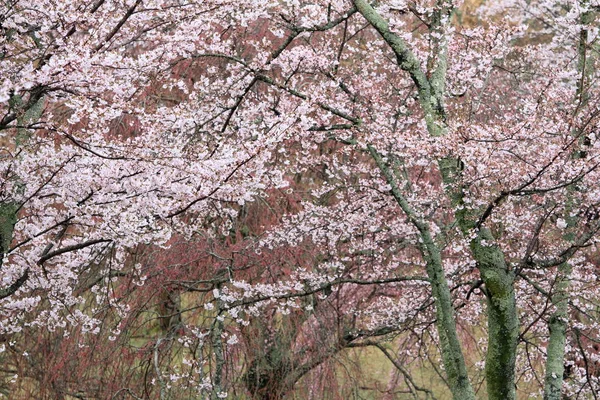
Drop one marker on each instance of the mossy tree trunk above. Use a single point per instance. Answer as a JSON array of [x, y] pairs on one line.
[[558, 323], [502, 315], [431, 88]]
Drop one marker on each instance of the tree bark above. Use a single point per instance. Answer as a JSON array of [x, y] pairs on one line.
[[431, 94], [503, 319], [557, 326], [555, 361]]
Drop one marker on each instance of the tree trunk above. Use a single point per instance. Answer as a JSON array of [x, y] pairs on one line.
[[557, 326], [503, 320], [555, 362], [452, 355]]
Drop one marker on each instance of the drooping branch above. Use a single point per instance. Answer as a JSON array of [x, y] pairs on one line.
[[9, 291], [406, 374], [564, 256], [68, 249], [213, 191], [118, 27], [322, 288]]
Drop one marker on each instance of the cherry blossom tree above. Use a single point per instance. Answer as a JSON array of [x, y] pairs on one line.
[[72, 191], [446, 171]]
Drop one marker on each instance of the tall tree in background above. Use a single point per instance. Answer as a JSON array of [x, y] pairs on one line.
[[446, 172]]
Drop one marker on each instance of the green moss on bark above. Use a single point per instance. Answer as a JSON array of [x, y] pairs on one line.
[[503, 320]]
